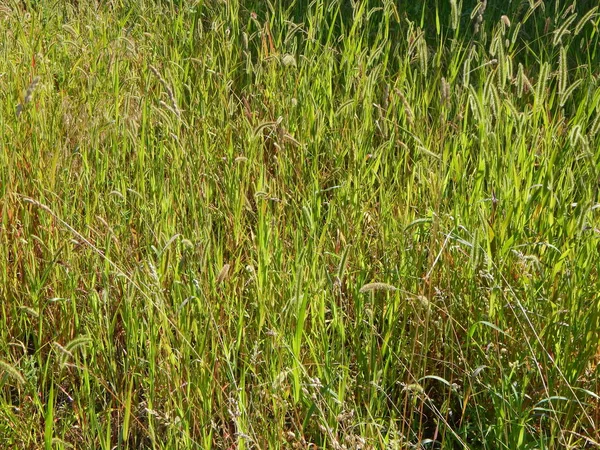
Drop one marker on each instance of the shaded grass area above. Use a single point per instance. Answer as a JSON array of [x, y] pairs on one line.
[[276, 225]]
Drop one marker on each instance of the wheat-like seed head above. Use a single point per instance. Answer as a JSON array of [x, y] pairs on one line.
[[478, 15], [595, 128], [563, 30], [174, 108], [467, 71], [562, 71], [12, 372], [28, 95], [567, 93], [223, 273], [410, 116], [423, 53], [493, 99], [542, 83], [377, 286], [475, 103], [591, 14], [445, 88], [455, 14]]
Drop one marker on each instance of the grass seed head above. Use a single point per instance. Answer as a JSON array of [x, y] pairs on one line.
[[12, 372], [445, 88], [223, 273], [28, 95], [372, 287], [173, 107]]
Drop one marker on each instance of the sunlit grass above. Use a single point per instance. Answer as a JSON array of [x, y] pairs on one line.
[[266, 225]]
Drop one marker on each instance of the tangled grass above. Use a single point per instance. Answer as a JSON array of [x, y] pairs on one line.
[[277, 224]]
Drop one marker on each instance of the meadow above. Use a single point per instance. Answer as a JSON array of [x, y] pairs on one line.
[[276, 224]]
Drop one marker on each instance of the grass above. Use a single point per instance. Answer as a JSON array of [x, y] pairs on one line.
[[299, 225]]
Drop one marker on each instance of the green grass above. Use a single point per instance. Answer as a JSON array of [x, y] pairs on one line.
[[232, 224]]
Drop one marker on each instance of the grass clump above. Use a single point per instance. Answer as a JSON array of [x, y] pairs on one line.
[[289, 225]]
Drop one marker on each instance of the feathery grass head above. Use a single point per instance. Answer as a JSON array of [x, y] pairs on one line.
[[28, 97], [223, 274], [377, 286]]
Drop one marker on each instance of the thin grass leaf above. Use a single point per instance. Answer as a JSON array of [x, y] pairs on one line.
[[436, 378]]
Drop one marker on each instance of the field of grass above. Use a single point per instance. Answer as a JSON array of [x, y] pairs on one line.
[[285, 224]]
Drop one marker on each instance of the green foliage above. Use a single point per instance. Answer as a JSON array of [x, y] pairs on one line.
[[268, 224]]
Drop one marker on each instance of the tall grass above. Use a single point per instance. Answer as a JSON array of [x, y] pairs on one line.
[[299, 224]]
